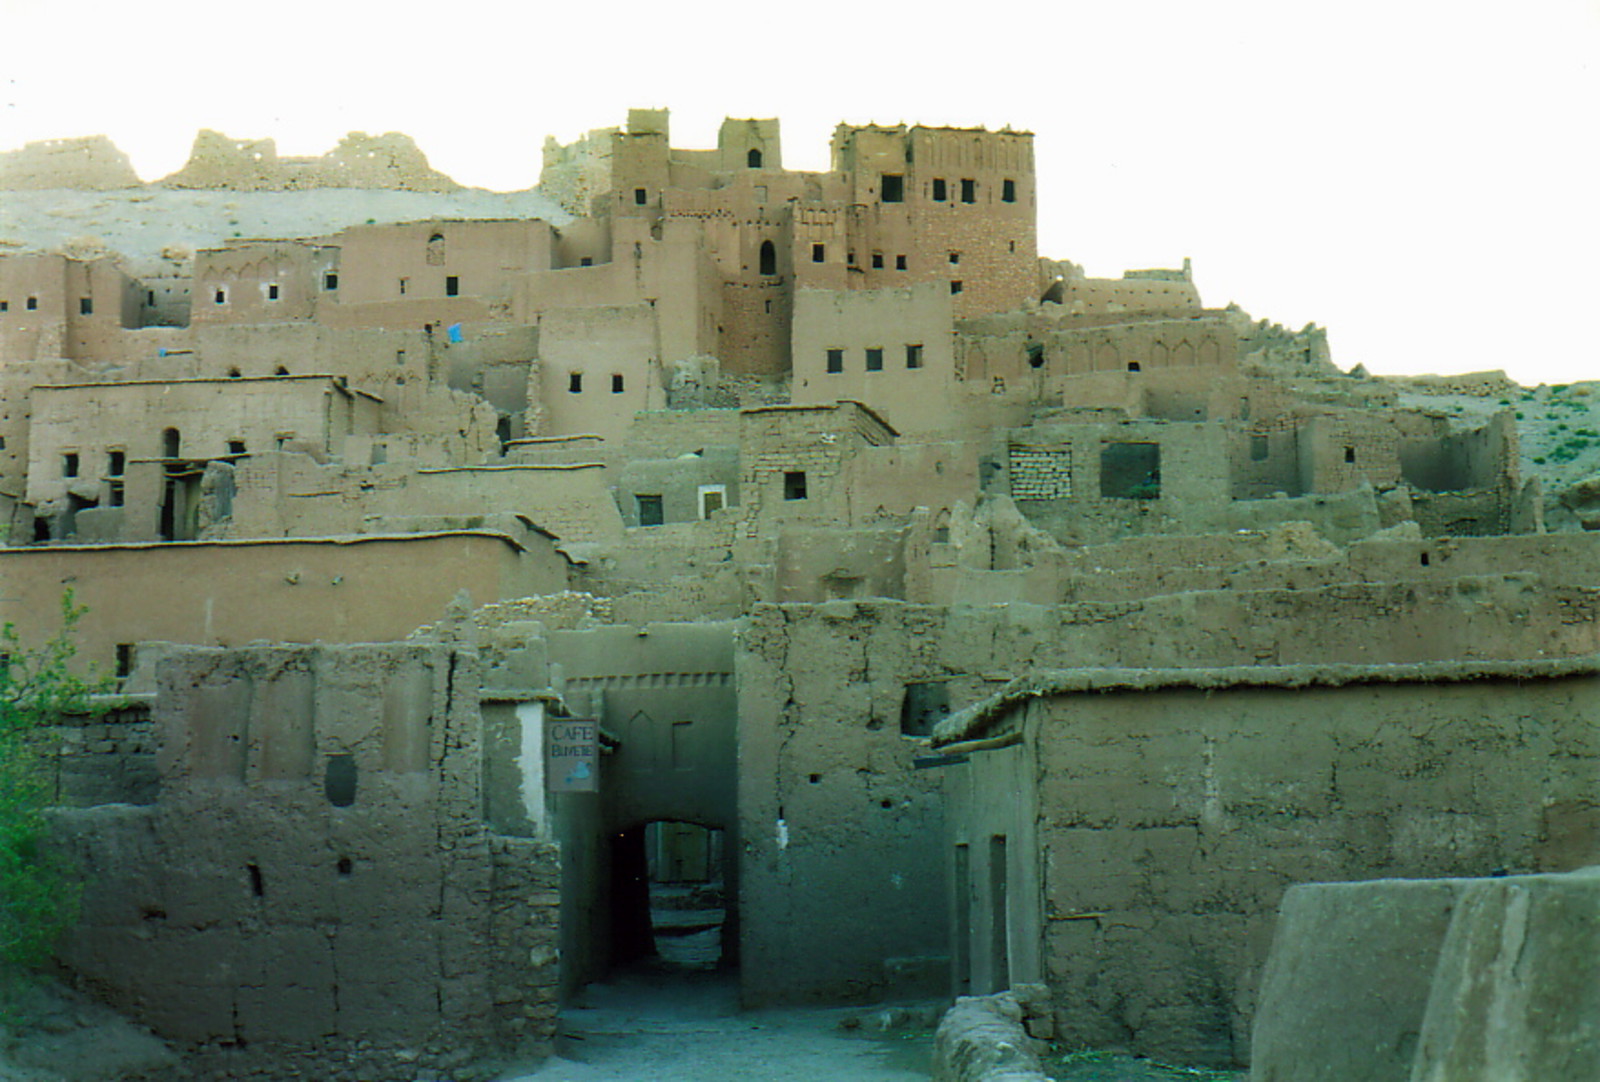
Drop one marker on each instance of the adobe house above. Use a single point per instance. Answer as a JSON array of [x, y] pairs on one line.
[[1125, 835]]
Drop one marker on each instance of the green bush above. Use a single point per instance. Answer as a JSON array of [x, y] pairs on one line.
[[38, 688]]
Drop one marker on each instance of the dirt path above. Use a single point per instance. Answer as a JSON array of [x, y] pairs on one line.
[[688, 1028]]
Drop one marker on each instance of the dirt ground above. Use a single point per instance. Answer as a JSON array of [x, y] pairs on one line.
[[687, 1027]]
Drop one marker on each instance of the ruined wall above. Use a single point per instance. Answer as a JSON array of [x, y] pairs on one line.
[[91, 163], [1170, 820], [360, 160], [316, 871]]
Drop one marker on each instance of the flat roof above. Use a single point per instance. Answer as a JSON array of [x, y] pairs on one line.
[[980, 717]]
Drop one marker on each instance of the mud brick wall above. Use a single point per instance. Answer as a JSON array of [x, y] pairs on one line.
[[317, 868], [107, 758]]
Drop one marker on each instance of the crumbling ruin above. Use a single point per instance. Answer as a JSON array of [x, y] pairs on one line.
[[980, 620]]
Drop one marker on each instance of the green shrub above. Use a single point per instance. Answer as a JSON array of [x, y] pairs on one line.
[[38, 688]]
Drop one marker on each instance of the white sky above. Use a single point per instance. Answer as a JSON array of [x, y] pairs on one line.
[[1419, 176]]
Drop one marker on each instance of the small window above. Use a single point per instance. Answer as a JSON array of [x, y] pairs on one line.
[[899, 262], [969, 191], [281, 371], [1008, 191], [913, 356], [894, 188], [32, 304], [753, 159], [819, 253], [116, 463], [1035, 354], [794, 485], [405, 283], [452, 286], [236, 447], [1259, 448], [850, 259], [939, 193], [1133, 366], [650, 511], [877, 260], [233, 373], [586, 261], [835, 361], [575, 382], [955, 259], [640, 197], [339, 780], [69, 464], [5, 306], [875, 360], [220, 297], [1349, 454], [115, 495], [330, 281], [923, 707], [149, 300], [616, 383], [712, 499], [86, 306], [272, 292], [955, 287], [124, 660], [768, 258]]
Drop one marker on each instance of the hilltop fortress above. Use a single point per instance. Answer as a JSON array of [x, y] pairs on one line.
[[797, 486]]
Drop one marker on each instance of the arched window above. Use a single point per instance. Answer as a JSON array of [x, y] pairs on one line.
[[753, 159], [436, 250], [769, 258], [170, 443]]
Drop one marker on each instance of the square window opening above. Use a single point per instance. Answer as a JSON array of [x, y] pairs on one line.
[[616, 383], [1008, 191], [819, 253], [116, 462], [32, 304], [651, 512], [969, 190], [899, 262], [272, 292], [894, 188], [452, 286], [835, 361], [1349, 454], [955, 287], [914, 356], [86, 306], [875, 359], [877, 260], [939, 193], [640, 197], [69, 464], [1130, 471], [924, 705], [330, 281], [794, 485], [574, 382]]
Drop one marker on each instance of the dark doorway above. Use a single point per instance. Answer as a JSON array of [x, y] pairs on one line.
[[669, 898]]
